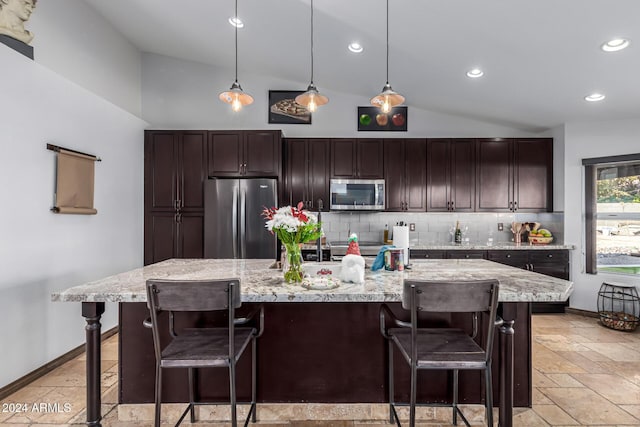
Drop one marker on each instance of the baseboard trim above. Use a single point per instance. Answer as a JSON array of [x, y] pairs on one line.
[[580, 312], [45, 369]]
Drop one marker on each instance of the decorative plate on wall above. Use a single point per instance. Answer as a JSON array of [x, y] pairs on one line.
[[373, 119]]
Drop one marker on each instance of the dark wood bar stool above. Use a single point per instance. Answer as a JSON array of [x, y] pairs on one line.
[[442, 348], [194, 348]]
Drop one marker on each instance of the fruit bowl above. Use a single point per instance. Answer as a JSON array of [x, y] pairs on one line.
[[539, 240]]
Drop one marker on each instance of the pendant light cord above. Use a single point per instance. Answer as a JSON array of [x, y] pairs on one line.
[[236, 27], [311, 41], [387, 41]]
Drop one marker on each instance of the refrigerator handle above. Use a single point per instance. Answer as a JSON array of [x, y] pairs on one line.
[[243, 222], [234, 223]]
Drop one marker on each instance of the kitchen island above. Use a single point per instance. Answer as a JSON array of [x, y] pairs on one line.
[[318, 346]]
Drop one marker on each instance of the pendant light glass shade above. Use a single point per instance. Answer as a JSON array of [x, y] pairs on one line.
[[311, 99], [235, 95], [388, 98]]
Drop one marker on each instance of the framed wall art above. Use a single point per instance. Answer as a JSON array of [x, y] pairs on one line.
[[283, 108], [373, 119]]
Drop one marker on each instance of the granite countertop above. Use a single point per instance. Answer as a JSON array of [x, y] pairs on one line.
[[261, 284], [498, 246]]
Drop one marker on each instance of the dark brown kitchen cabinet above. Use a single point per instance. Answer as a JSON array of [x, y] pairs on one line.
[[251, 153], [533, 175], [307, 172], [451, 175], [553, 263], [173, 235], [175, 170], [357, 158], [514, 175], [405, 174]]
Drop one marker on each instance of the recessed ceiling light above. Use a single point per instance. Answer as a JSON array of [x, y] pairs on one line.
[[594, 97], [615, 45], [236, 22], [475, 73], [355, 47]]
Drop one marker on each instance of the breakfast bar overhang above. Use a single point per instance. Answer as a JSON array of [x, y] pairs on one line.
[[318, 345]]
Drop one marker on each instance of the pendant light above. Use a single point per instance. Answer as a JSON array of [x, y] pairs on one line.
[[311, 99], [235, 95], [388, 98]]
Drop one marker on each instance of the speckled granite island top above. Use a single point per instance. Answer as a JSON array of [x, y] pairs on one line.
[[261, 284], [499, 246]]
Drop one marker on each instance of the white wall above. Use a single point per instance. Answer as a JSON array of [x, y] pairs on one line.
[[179, 94], [72, 39], [586, 140], [42, 252]]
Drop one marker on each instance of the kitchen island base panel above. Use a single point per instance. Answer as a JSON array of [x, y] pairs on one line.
[[320, 353]]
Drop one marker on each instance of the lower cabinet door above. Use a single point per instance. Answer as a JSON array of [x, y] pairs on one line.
[[160, 231], [191, 235]]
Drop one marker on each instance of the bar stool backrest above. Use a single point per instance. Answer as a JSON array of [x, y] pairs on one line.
[[477, 296]]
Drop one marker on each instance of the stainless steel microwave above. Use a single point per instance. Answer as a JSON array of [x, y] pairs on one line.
[[357, 195]]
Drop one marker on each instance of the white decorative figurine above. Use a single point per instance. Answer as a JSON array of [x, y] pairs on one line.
[[13, 15], [352, 263]]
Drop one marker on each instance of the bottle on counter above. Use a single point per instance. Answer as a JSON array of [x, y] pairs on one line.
[[385, 237], [458, 234]]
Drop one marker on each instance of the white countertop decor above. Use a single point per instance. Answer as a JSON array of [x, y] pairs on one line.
[[259, 283]]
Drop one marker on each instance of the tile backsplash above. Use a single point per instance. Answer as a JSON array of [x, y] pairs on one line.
[[433, 228]]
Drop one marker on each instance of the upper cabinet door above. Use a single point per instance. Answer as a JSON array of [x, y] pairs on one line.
[[438, 173], [262, 153], [245, 153], [533, 173], [160, 177], [394, 174], [296, 174], [494, 175], [369, 155], [343, 158], [225, 153], [415, 181], [463, 179], [318, 173], [193, 169]]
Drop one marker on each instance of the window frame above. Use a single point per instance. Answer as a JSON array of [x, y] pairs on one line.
[[591, 166]]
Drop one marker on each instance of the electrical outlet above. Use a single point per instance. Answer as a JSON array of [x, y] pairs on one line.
[[412, 227], [500, 226]]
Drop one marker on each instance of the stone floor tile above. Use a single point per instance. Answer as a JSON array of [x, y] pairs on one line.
[[632, 409], [612, 387], [614, 351], [550, 362], [564, 380], [539, 398], [586, 365], [541, 380], [554, 415], [589, 408], [601, 335], [528, 418]]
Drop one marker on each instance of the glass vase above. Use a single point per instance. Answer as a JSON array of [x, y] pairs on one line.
[[293, 263]]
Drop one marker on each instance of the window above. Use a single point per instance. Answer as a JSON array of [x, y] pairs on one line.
[[613, 214]]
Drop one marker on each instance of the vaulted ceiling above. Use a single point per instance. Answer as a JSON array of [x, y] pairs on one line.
[[540, 58]]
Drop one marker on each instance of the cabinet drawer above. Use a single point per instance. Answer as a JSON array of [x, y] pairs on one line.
[[466, 254], [538, 256], [514, 258], [426, 254]]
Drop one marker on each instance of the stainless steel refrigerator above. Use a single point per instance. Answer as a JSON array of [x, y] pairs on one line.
[[233, 225]]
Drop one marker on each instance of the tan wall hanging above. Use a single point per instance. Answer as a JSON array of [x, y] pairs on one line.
[[74, 181]]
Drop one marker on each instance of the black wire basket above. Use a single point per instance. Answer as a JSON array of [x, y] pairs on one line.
[[619, 306]]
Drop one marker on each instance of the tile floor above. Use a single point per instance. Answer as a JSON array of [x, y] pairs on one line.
[[584, 375]]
